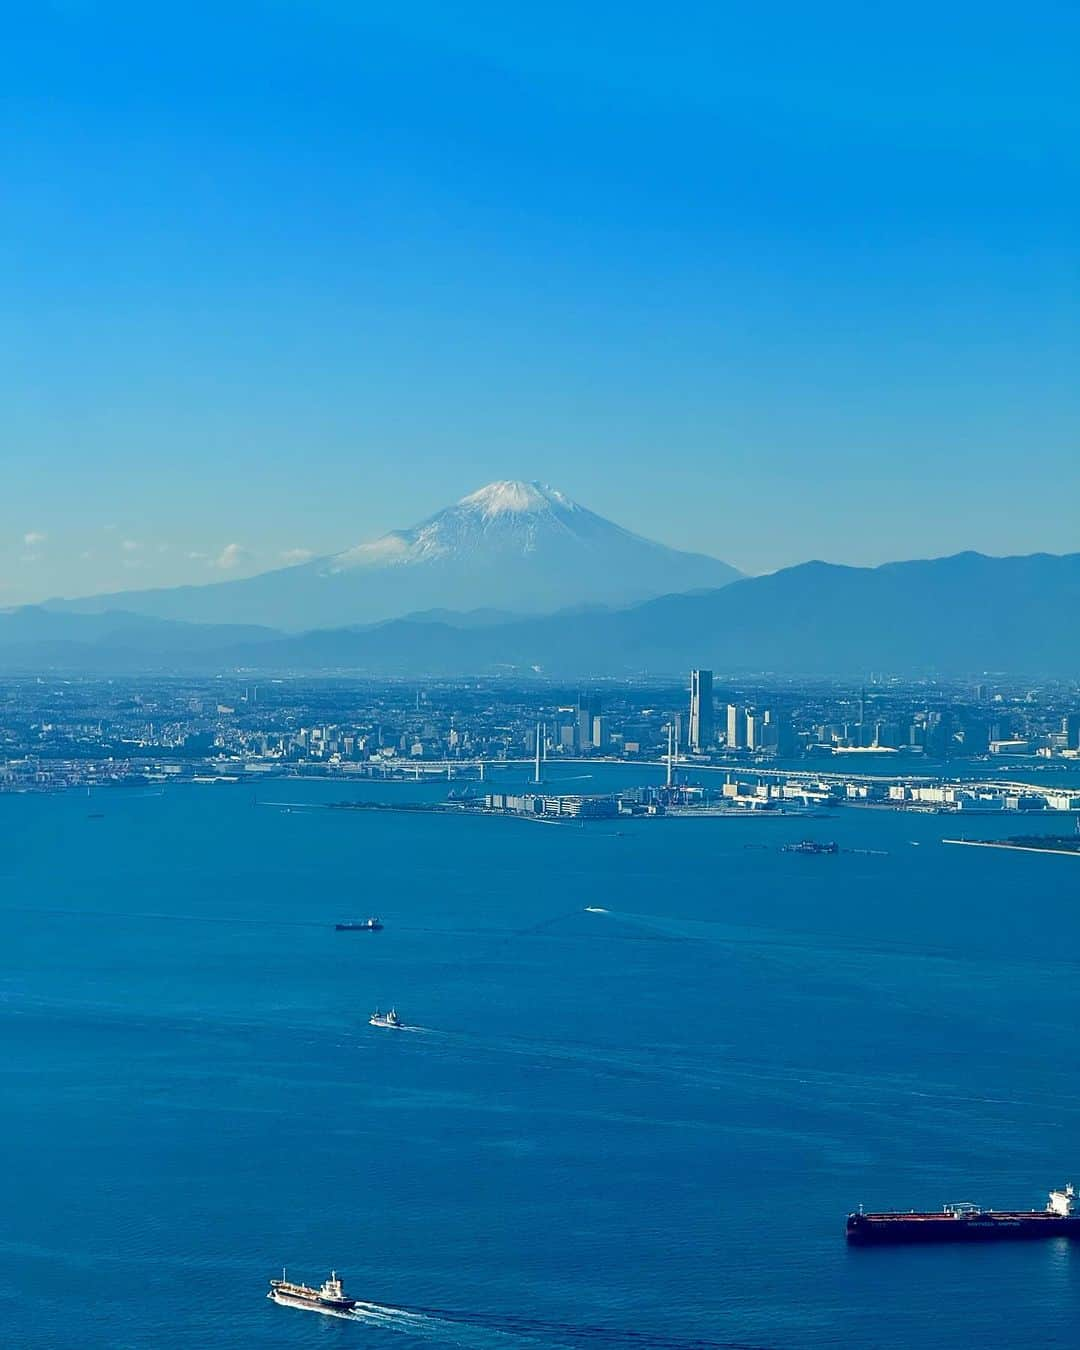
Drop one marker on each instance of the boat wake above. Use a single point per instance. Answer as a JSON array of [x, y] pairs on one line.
[[476, 1332], [441, 1329], [452, 1329]]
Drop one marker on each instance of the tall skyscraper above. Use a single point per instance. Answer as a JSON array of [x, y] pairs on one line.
[[589, 709], [701, 710], [736, 727]]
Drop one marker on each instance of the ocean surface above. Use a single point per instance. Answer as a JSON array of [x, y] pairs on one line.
[[639, 1127]]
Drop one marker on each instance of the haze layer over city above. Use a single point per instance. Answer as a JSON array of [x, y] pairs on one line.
[[539, 683]]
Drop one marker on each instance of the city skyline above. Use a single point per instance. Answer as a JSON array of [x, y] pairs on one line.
[[765, 286]]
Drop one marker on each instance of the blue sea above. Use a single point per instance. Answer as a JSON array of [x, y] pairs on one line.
[[636, 1127]]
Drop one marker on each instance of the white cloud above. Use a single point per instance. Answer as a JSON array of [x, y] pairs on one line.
[[296, 555], [34, 537], [133, 563], [232, 555], [131, 546], [86, 554]]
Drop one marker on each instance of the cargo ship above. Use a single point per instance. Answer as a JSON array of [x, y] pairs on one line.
[[330, 1297], [387, 1019], [966, 1222], [359, 926]]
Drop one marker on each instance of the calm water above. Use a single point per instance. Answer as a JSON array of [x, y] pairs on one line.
[[638, 1127]]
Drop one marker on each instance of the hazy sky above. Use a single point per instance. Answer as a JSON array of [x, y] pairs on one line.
[[773, 281]]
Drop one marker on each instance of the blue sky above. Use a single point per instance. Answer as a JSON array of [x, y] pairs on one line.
[[768, 281]]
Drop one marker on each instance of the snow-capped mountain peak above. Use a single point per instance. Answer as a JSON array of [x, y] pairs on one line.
[[514, 497], [504, 517]]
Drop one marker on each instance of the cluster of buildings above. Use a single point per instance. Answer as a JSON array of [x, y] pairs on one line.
[[649, 800], [759, 730], [746, 792], [64, 731], [982, 797], [567, 806]]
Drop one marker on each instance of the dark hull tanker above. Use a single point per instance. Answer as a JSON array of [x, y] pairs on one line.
[[328, 1298], [968, 1223]]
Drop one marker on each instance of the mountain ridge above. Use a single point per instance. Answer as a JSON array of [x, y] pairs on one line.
[[960, 614]]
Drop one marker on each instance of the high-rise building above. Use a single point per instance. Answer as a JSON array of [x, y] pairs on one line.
[[755, 730], [976, 733], [939, 734], [785, 733], [588, 711], [736, 727], [1070, 729], [701, 710]]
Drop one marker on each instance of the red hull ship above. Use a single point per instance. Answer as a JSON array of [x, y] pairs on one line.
[[968, 1223]]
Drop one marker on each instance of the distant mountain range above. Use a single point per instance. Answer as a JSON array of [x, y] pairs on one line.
[[519, 547], [957, 615]]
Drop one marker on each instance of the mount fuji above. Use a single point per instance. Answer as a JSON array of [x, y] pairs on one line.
[[512, 547]]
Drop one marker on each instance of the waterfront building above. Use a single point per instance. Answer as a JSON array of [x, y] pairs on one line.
[[577, 807], [570, 806]]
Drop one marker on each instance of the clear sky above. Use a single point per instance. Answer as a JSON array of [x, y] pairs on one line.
[[772, 281]]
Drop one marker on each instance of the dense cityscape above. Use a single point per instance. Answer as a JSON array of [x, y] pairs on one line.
[[61, 733]]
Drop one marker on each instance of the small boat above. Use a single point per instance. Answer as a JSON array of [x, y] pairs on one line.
[[359, 926], [385, 1019], [330, 1297]]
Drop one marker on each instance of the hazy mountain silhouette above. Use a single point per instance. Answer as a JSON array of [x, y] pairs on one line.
[[956, 615]]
